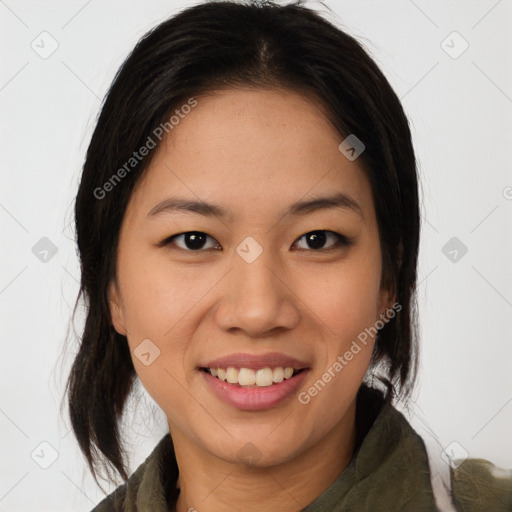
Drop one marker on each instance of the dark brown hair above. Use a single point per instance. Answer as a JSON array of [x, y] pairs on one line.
[[203, 48]]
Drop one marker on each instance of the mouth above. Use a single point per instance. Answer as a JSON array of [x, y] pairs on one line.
[[253, 378], [254, 382]]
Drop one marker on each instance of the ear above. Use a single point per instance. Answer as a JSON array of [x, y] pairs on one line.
[[386, 301], [116, 311], [387, 296]]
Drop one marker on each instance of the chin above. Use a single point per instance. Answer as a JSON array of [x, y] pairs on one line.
[[257, 453]]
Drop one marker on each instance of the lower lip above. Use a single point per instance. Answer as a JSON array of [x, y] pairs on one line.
[[256, 398]]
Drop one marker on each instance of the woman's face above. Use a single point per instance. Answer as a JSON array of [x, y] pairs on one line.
[[251, 285]]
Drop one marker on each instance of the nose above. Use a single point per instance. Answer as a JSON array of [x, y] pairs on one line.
[[258, 298]]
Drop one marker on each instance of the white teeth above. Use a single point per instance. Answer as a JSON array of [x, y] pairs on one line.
[[264, 377], [248, 377], [232, 375], [278, 375]]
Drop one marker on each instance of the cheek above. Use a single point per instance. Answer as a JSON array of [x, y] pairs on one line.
[[161, 372], [158, 296], [163, 304], [346, 306], [155, 304], [345, 303], [345, 299]]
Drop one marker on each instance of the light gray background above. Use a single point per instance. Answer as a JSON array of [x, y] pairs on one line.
[[460, 110]]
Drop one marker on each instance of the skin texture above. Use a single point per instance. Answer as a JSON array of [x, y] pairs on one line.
[[254, 152]]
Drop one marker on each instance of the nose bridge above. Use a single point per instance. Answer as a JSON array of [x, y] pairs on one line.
[[253, 271], [257, 300]]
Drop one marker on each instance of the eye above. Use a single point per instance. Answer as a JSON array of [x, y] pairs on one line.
[[193, 240], [316, 240]]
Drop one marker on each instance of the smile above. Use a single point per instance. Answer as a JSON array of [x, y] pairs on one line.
[[254, 397], [248, 377]]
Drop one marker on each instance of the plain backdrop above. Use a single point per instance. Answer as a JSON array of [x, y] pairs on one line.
[[58, 59]]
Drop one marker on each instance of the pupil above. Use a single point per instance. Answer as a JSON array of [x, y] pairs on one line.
[[195, 240], [316, 239]]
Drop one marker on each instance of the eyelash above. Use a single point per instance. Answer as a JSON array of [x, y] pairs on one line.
[[341, 241]]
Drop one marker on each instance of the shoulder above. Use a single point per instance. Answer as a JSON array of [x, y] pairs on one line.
[[148, 487], [461, 485], [123, 498], [113, 502], [479, 486]]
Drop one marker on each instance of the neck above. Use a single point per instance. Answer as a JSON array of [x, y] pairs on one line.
[[208, 483]]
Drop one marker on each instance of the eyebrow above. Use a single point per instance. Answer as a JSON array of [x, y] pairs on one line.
[[338, 200]]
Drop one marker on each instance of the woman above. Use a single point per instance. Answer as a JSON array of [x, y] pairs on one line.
[[248, 229]]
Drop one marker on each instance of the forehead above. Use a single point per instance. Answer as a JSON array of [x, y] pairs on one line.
[[254, 150]]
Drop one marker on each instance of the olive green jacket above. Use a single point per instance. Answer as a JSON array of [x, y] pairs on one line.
[[389, 472]]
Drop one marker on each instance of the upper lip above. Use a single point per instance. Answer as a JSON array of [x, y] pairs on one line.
[[256, 361]]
